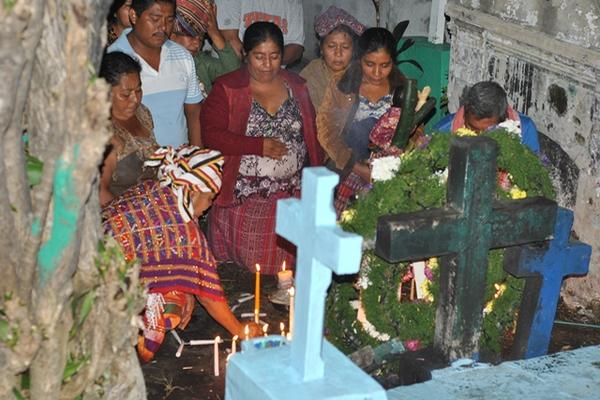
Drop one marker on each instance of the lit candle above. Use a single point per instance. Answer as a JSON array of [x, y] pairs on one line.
[[285, 278], [216, 349], [246, 332], [292, 293], [257, 295], [265, 328], [234, 344], [281, 328]]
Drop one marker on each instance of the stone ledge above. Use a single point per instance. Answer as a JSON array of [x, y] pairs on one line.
[[568, 375]]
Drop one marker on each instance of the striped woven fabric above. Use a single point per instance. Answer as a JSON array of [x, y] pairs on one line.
[[347, 191], [192, 16], [187, 169], [174, 254], [176, 307]]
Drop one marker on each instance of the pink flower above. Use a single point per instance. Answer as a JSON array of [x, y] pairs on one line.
[[504, 180], [428, 273], [412, 345]]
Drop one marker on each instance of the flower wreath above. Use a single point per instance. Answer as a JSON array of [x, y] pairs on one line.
[[367, 310]]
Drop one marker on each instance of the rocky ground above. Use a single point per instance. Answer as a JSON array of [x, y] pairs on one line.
[[191, 376]]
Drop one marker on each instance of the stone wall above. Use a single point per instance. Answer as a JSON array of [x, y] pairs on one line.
[[545, 53], [392, 12]]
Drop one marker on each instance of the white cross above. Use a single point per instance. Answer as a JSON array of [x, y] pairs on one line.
[[322, 247]]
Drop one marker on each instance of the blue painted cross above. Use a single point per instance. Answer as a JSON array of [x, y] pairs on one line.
[[544, 269], [323, 247]]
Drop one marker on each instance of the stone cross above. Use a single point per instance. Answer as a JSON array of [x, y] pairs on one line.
[[322, 247], [463, 232], [544, 268]]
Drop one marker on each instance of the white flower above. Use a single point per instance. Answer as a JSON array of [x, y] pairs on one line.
[[442, 175], [361, 316], [384, 168], [511, 126], [363, 282]]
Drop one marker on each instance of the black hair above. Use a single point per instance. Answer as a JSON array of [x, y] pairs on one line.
[[115, 65], [111, 18], [372, 40], [485, 99], [375, 39], [260, 32], [139, 6]]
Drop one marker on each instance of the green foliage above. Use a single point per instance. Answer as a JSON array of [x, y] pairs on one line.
[[9, 4], [9, 333], [420, 184], [35, 168], [415, 187], [81, 307], [74, 365], [18, 394], [110, 259]]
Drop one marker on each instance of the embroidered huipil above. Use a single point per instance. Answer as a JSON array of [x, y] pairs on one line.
[[264, 175]]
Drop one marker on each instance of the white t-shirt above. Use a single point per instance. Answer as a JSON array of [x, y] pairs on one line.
[[166, 90], [240, 14]]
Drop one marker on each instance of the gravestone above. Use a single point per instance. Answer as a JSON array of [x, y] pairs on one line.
[[463, 232], [310, 367], [544, 267]]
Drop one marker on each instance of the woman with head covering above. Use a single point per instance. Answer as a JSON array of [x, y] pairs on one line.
[[193, 20], [117, 19], [133, 137], [352, 106], [261, 118], [337, 32], [155, 223]]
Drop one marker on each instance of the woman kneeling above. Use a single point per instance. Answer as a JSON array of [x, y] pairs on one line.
[[155, 222]]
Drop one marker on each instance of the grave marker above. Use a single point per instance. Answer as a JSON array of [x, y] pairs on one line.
[[309, 368], [463, 232], [544, 268]]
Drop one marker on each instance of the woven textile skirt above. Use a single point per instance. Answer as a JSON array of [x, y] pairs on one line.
[[245, 234], [175, 258]]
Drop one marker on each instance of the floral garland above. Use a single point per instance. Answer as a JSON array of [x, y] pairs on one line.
[[367, 309]]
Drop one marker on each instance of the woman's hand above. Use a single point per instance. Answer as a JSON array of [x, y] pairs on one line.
[[363, 171], [254, 330], [212, 28], [273, 148]]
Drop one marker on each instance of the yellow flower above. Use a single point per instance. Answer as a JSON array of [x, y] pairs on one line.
[[433, 263], [500, 289], [516, 193], [465, 132], [427, 295], [347, 216]]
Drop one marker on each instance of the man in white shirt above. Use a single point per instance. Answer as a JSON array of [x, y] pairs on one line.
[[169, 83], [234, 16]]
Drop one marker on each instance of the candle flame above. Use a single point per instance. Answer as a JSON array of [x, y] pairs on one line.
[[265, 328], [281, 326], [292, 291], [218, 339], [246, 330], [283, 266], [257, 268], [236, 336]]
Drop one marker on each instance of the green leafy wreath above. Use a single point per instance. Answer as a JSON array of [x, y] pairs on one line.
[[420, 183]]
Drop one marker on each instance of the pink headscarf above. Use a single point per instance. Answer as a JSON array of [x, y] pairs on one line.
[[334, 17]]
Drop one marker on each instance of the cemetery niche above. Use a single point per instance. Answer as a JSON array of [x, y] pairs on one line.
[[394, 300]]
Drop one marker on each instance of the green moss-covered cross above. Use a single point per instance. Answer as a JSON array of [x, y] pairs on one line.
[[463, 232]]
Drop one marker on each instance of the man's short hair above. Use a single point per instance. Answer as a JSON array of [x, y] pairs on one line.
[[485, 100], [139, 6]]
